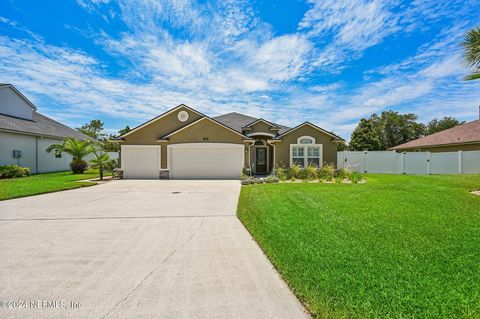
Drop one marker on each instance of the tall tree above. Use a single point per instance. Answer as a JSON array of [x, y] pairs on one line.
[[93, 129], [471, 45], [378, 133], [366, 135], [438, 125]]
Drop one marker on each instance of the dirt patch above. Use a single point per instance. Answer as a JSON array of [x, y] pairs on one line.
[[477, 192]]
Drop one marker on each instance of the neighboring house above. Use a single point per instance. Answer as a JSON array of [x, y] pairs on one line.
[[184, 143], [464, 137], [25, 134]]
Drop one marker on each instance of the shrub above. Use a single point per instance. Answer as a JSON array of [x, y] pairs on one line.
[[259, 180], [310, 172], [272, 179], [326, 172], [294, 171], [78, 166], [342, 174], [13, 171], [280, 173], [356, 177]]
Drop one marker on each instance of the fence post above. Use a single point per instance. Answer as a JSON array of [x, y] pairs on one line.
[[365, 161], [428, 163], [460, 162], [394, 161], [403, 163]]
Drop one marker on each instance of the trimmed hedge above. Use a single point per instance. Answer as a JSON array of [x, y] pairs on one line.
[[13, 171]]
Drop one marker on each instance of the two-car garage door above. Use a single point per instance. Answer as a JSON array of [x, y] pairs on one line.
[[190, 160]]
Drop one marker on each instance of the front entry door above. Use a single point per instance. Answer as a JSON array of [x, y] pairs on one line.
[[261, 160]]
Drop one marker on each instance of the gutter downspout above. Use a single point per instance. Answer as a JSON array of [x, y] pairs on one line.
[[36, 154]]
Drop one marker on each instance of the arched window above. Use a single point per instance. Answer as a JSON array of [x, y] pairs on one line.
[[306, 140], [306, 152]]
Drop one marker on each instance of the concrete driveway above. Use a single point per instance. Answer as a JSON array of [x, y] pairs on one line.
[[136, 249]]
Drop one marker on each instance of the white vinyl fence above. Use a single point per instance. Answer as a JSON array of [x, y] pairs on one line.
[[391, 162]]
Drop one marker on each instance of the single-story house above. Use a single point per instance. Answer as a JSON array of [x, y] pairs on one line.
[[25, 134], [464, 137], [184, 143]]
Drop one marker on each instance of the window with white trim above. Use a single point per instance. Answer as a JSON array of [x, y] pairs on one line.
[[306, 152]]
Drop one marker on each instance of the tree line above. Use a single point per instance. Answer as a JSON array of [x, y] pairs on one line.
[[390, 128]]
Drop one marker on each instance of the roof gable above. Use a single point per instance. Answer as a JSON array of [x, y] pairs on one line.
[[204, 118], [334, 136], [178, 107]]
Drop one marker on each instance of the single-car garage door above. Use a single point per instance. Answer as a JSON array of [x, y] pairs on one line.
[[205, 160], [140, 161]]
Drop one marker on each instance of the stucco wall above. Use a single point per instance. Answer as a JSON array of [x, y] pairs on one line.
[[149, 134], [205, 131], [282, 149], [27, 144]]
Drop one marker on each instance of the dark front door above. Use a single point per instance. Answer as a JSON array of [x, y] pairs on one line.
[[261, 160]]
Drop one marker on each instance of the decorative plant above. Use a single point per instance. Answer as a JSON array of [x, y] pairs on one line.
[[326, 172], [280, 173], [100, 161], [294, 171], [356, 177], [78, 149]]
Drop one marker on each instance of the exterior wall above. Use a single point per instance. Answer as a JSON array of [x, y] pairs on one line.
[[261, 127], [206, 132], [12, 104], [447, 148], [282, 149], [149, 134], [28, 145], [47, 162]]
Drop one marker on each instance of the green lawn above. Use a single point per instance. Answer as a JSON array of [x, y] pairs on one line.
[[396, 247], [43, 183]]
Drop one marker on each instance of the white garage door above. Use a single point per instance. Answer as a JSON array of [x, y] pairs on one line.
[[140, 161], [206, 160]]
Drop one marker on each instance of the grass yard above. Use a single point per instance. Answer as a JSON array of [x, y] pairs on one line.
[[43, 183], [397, 247]]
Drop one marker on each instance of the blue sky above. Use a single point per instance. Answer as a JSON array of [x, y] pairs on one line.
[[327, 61]]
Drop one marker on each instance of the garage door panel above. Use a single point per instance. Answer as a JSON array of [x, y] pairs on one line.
[[141, 162], [206, 160]]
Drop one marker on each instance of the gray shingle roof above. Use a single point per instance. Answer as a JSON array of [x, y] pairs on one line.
[[40, 125], [236, 121]]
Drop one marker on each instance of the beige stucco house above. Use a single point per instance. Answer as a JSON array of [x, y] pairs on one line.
[[184, 143]]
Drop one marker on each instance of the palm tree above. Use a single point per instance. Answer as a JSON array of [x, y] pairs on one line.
[[78, 149], [471, 44], [100, 161]]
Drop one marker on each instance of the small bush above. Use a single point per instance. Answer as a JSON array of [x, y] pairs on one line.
[[294, 171], [272, 179], [342, 174], [356, 177], [310, 172], [326, 172], [78, 166], [13, 171], [280, 173], [259, 181]]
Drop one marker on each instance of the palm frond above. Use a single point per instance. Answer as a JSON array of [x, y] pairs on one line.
[[474, 76], [471, 45]]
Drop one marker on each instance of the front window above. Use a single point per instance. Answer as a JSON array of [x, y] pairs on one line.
[[306, 155]]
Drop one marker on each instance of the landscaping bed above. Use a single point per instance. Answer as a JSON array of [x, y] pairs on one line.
[[397, 247]]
